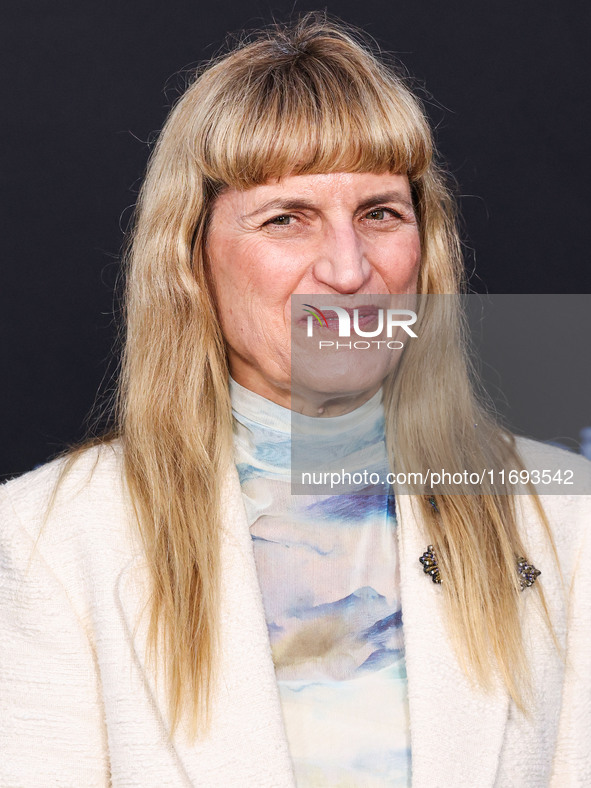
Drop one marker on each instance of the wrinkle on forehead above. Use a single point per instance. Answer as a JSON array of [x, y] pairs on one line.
[[338, 186]]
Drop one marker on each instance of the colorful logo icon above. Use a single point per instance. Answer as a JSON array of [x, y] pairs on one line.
[[311, 310]]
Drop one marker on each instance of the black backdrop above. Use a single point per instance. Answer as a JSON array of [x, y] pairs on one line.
[[87, 85]]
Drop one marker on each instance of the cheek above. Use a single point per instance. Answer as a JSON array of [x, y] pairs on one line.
[[226, 276], [401, 264], [241, 266], [251, 288], [231, 273]]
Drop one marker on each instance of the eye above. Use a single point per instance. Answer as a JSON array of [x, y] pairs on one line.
[[281, 221], [379, 214]]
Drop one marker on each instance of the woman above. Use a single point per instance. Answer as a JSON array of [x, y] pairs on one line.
[[162, 619]]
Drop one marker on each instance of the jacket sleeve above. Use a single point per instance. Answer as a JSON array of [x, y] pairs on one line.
[[572, 760], [51, 722]]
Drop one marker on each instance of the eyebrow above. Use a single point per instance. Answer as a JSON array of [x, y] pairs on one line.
[[299, 204]]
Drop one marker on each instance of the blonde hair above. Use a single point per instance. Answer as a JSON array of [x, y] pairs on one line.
[[306, 98]]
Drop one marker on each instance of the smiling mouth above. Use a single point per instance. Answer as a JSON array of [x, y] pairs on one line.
[[327, 319]]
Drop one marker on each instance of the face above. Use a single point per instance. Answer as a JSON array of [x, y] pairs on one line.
[[336, 235]]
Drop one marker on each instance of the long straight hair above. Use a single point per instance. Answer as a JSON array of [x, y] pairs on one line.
[[306, 98]]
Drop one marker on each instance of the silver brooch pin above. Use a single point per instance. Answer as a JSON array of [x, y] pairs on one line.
[[429, 563], [527, 572]]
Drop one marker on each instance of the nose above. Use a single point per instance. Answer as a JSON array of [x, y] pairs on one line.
[[341, 262]]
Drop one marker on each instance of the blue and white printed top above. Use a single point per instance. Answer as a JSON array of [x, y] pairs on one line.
[[328, 571]]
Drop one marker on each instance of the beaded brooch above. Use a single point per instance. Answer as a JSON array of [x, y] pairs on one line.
[[527, 572]]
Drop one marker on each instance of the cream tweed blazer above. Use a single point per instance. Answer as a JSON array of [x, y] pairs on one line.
[[78, 706]]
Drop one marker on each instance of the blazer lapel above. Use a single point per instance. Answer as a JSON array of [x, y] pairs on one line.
[[456, 729], [247, 744]]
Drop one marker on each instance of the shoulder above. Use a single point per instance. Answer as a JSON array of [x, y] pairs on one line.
[[537, 454], [562, 478], [72, 513], [566, 501], [88, 468], [82, 482]]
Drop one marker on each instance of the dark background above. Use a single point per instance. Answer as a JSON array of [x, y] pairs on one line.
[[87, 86]]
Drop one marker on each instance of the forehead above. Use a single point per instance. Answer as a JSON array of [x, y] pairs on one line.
[[343, 187]]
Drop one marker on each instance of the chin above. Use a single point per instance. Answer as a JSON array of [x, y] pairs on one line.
[[343, 372]]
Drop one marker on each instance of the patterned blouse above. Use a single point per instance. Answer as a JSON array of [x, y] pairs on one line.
[[328, 571]]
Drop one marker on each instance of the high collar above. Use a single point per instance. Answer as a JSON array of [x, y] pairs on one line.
[[253, 409]]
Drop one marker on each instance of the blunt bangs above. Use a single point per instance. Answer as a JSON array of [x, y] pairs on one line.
[[306, 109]]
